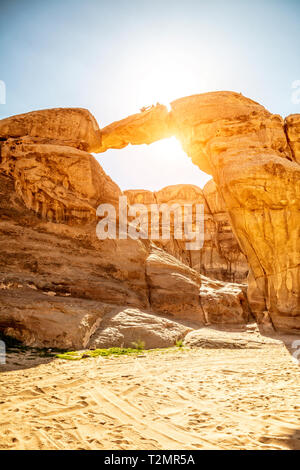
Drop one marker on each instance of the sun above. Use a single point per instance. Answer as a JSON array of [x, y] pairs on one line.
[[163, 76], [155, 75]]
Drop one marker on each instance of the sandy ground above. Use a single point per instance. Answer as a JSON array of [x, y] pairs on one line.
[[172, 399]]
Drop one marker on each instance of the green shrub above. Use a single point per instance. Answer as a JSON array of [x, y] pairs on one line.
[[140, 345], [77, 355]]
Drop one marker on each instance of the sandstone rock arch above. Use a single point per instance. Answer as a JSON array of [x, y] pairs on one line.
[[253, 156]]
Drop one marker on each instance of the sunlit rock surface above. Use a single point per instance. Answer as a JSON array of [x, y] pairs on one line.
[[254, 165], [123, 327], [141, 128], [75, 127], [58, 281], [292, 124]]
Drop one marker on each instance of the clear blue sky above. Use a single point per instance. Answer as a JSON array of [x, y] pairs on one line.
[[115, 56]]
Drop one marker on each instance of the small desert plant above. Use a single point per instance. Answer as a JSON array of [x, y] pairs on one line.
[[76, 355], [139, 344], [179, 343]]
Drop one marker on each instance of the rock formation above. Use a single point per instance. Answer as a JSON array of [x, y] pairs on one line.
[[60, 286], [74, 127], [59, 183], [58, 281], [122, 327], [292, 125], [252, 156], [221, 257]]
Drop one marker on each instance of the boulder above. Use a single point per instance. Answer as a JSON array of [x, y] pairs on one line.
[[127, 327]]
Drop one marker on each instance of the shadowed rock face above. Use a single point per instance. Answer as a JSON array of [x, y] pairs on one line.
[[220, 257], [252, 156], [58, 182]]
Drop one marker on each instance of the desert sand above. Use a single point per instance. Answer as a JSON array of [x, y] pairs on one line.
[[177, 398]]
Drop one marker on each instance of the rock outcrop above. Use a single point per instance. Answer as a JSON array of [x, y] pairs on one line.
[[125, 326], [59, 282], [141, 128], [221, 257], [60, 286], [215, 338], [252, 156], [74, 127], [58, 182], [292, 124]]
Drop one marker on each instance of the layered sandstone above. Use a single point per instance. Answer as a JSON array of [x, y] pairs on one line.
[[54, 270], [74, 127], [142, 128], [252, 156], [56, 181], [59, 282], [220, 257], [248, 154], [292, 124]]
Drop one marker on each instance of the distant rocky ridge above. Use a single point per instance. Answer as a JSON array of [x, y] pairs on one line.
[[221, 257], [60, 286]]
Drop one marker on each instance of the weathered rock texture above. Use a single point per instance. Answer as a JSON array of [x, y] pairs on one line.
[[221, 257], [59, 282], [246, 338], [123, 326], [252, 156], [58, 182], [141, 128], [292, 124], [75, 127]]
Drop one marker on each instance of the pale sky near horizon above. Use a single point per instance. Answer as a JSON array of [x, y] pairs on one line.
[[115, 56]]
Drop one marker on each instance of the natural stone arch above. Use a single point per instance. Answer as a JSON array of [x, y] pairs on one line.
[[246, 149]]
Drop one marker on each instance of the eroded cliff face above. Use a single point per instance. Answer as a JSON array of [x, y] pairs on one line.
[[58, 280], [252, 156], [58, 182], [221, 257], [247, 152], [60, 286], [292, 124]]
